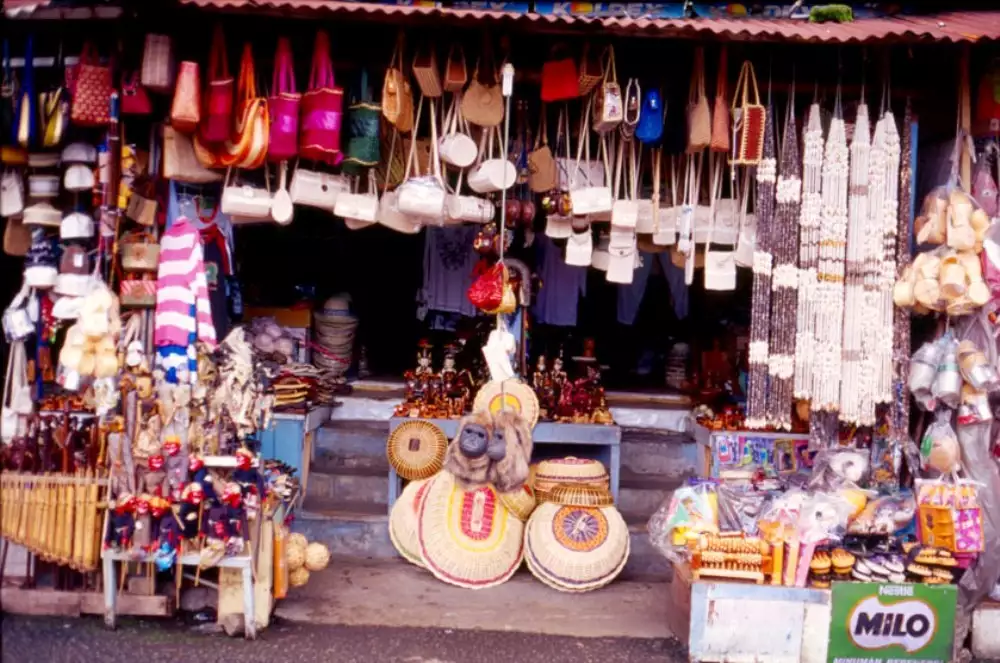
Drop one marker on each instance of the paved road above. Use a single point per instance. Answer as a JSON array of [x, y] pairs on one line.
[[86, 641]]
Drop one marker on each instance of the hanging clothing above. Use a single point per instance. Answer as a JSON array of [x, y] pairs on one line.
[[630, 295], [562, 285], [449, 260], [183, 311], [217, 270]]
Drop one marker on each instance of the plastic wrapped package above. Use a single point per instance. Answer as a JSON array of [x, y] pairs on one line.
[[976, 370], [824, 517], [923, 369], [885, 515], [780, 517], [690, 511], [841, 467], [939, 447], [739, 509], [947, 387]]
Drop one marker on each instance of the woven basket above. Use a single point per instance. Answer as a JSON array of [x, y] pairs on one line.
[[403, 522], [468, 538], [520, 502], [416, 449], [576, 549], [510, 394], [139, 253], [577, 494], [551, 473]]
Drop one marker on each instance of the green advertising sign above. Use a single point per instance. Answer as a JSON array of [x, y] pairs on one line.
[[873, 622]]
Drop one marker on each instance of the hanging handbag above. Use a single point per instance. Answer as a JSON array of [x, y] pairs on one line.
[[425, 71], [16, 237], [283, 106], [247, 148], [135, 98], [625, 212], [180, 162], [720, 110], [560, 79], [720, 264], [17, 401], [138, 292], [748, 120], [585, 198], [609, 106], [91, 105], [246, 203], [364, 119], [11, 193], [18, 322], [580, 248], [363, 207], [699, 118], [456, 146], [543, 174], [158, 64], [139, 252], [622, 256], [487, 291], [317, 189], [746, 241], [323, 108], [388, 213], [456, 73], [665, 219], [473, 209], [55, 110], [482, 103], [217, 118], [984, 187], [142, 205], [185, 111], [493, 173], [397, 95], [25, 103], [591, 71], [423, 196], [8, 97], [650, 127]]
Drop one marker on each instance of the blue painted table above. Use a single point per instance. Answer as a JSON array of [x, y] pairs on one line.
[[289, 439], [552, 440]]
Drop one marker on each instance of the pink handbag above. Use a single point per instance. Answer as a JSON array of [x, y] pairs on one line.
[[322, 108], [283, 106]]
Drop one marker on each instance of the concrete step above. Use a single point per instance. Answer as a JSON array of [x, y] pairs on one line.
[[357, 485], [345, 445], [639, 495]]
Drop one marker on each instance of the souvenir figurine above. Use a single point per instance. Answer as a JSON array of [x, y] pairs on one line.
[[235, 518], [121, 523], [154, 478], [189, 510], [158, 508], [538, 379], [424, 359], [176, 466], [142, 540], [198, 473], [245, 474]]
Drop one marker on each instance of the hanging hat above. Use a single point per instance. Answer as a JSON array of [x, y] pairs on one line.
[[40, 262], [43, 186], [42, 214], [511, 394], [79, 177], [79, 153], [76, 225], [67, 308], [74, 272], [43, 160], [416, 449]]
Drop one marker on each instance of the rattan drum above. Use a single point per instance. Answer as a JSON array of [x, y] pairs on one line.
[[416, 449], [403, 521], [551, 473], [510, 394], [468, 538], [576, 548]]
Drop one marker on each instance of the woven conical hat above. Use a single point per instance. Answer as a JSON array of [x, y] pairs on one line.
[[403, 521], [416, 449], [510, 395], [468, 538], [574, 548]]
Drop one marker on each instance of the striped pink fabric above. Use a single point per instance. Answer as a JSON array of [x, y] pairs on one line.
[[181, 285]]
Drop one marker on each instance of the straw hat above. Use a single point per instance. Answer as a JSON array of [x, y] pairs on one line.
[[570, 470], [468, 538], [520, 502], [574, 548], [416, 449], [512, 394], [403, 521]]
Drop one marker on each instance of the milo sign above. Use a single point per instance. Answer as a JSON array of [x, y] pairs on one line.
[[873, 622]]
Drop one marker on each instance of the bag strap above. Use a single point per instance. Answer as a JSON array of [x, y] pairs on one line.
[[616, 185], [88, 54], [634, 160], [435, 153], [388, 165], [321, 73], [610, 69], [584, 138], [632, 91], [282, 78], [721, 78], [751, 80], [246, 87], [541, 138], [218, 60], [697, 89], [657, 158], [715, 194], [396, 60], [411, 159]]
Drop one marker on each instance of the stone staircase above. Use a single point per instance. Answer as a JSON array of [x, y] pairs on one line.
[[346, 505]]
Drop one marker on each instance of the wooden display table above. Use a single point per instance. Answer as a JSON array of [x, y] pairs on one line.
[[600, 442]]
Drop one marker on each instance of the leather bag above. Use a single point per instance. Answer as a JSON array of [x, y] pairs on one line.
[[135, 97], [543, 173], [456, 146], [314, 188], [246, 203], [456, 72], [423, 196]]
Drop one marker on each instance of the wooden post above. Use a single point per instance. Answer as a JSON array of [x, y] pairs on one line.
[[965, 115]]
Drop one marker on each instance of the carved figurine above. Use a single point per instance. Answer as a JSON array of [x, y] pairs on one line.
[[176, 466]]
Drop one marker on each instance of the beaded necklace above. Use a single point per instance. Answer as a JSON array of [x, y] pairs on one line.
[[900, 419]]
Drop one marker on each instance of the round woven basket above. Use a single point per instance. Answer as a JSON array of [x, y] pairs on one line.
[[551, 473], [468, 538], [510, 394], [576, 549], [403, 522], [416, 449], [578, 494], [520, 502]]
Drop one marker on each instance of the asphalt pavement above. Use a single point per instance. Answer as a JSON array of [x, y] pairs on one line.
[[56, 640]]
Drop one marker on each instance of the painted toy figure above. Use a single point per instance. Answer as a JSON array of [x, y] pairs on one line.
[[189, 510], [198, 473], [245, 474], [176, 466], [121, 523], [142, 540], [236, 519]]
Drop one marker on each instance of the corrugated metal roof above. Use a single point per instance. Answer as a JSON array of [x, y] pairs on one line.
[[952, 26]]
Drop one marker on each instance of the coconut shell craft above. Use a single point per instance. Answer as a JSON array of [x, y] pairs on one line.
[[416, 449], [468, 538], [576, 548], [403, 522], [515, 395]]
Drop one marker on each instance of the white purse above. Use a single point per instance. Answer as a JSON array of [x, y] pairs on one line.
[[622, 256], [666, 218], [11, 193], [388, 213], [359, 206], [625, 212], [580, 248], [747, 235], [588, 200], [313, 188], [245, 203], [423, 196], [20, 316], [468, 208], [495, 173], [456, 146], [17, 400]]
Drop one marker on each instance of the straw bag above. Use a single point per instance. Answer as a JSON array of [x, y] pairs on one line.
[[283, 106], [218, 113], [364, 120], [180, 162], [560, 79], [397, 96], [425, 70], [543, 174], [158, 64], [588, 199], [323, 108], [456, 146], [91, 105], [423, 196], [313, 188], [482, 103], [456, 73], [591, 71], [138, 293], [139, 252], [185, 111], [247, 147], [720, 111], [17, 401], [609, 106], [495, 172], [749, 119], [359, 206], [247, 204], [699, 118]]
